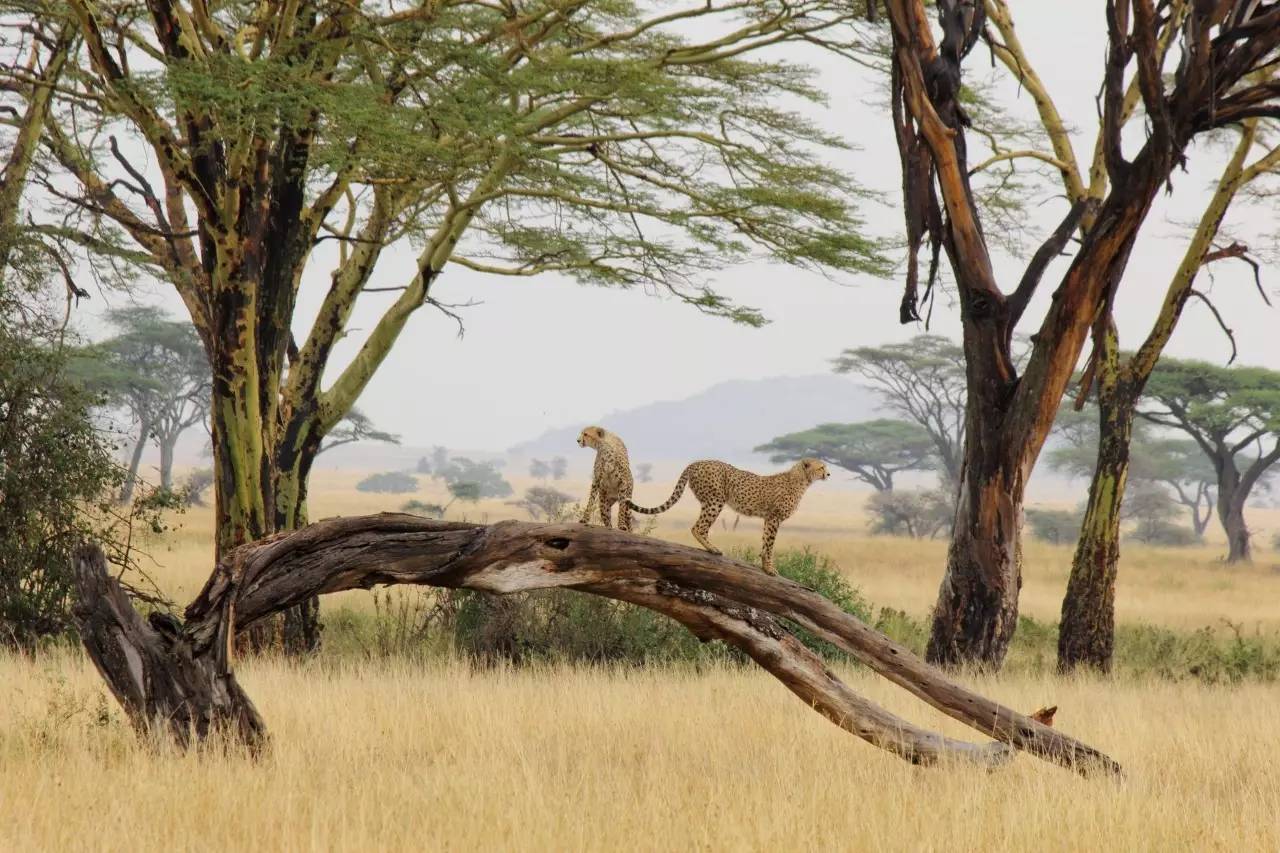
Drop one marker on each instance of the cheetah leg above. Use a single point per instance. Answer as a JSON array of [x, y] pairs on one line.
[[591, 500], [766, 549], [624, 515], [703, 526], [606, 511]]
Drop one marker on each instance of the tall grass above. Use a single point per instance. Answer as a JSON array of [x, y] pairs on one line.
[[390, 741]]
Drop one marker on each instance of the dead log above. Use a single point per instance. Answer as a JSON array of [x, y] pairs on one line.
[[180, 676]]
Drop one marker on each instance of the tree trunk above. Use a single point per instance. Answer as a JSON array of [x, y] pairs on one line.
[[1231, 512], [1086, 635], [255, 497], [179, 677], [1200, 521], [135, 462], [977, 609], [166, 461]]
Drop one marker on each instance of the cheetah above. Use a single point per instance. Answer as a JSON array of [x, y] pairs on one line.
[[610, 478], [773, 498]]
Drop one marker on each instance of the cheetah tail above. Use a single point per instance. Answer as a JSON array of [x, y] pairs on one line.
[[671, 501]]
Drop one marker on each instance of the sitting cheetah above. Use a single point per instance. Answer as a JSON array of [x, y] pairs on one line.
[[773, 498], [610, 478]]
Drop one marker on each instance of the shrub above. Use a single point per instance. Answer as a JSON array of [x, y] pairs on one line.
[[391, 482], [1160, 532], [819, 573], [918, 514], [423, 508], [1056, 526], [543, 502], [197, 484]]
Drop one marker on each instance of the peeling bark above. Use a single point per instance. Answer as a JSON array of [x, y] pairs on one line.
[[711, 595]]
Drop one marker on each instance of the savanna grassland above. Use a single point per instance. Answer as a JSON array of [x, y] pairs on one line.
[[389, 752]]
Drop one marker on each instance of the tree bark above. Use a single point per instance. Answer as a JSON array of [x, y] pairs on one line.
[[1086, 635], [255, 495], [179, 676]]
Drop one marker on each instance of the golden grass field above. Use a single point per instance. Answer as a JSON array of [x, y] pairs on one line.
[[399, 756]]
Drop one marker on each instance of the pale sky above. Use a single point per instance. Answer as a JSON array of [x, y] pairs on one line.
[[545, 352]]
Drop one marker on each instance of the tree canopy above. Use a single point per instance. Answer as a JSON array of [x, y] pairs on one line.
[[873, 451], [248, 152]]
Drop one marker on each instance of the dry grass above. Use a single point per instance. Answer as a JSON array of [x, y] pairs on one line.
[[392, 756], [387, 757]]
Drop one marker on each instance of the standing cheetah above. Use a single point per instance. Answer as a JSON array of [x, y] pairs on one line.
[[773, 498], [610, 478]]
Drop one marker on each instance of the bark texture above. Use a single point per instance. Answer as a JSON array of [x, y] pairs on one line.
[[190, 664], [1086, 634]]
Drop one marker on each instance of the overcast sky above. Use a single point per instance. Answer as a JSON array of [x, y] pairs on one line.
[[545, 352]]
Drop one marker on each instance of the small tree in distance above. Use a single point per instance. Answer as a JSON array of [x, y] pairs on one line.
[[1233, 415], [559, 467], [644, 472], [155, 369], [918, 514], [543, 502], [873, 451], [539, 470]]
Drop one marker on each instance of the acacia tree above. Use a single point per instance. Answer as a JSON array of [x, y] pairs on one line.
[[1222, 48], [582, 138], [356, 426], [923, 381], [1233, 415], [873, 451], [155, 368]]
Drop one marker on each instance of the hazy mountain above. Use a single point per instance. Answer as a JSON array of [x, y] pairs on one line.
[[724, 422]]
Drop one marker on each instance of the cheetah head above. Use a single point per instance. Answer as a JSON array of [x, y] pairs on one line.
[[814, 469], [591, 436]]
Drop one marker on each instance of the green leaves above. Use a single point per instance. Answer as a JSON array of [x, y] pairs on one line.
[[1214, 403]]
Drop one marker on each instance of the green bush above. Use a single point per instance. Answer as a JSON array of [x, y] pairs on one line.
[[819, 573], [56, 472]]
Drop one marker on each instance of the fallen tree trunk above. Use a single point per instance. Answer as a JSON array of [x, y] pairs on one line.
[[180, 676]]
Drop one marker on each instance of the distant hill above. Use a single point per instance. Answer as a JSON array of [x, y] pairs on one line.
[[725, 421]]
